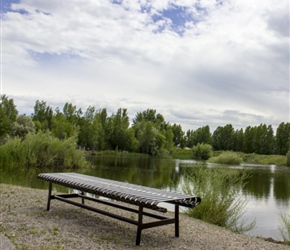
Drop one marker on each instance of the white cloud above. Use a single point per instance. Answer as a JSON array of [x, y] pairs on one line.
[[230, 65]]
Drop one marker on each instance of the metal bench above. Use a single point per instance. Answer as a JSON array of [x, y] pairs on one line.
[[141, 196]]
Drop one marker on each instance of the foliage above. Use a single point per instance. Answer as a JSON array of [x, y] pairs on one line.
[[119, 135], [178, 136], [149, 132], [42, 150], [201, 135], [22, 126], [283, 138], [185, 154], [202, 151], [249, 136], [288, 158], [227, 157], [223, 138], [219, 190], [238, 140], [42, 116], [285, 227], [8, 115], [265, 159]]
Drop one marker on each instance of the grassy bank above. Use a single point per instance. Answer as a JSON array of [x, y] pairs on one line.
[[280, 160]]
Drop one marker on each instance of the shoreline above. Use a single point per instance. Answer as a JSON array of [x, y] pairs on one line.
[[27, 224]]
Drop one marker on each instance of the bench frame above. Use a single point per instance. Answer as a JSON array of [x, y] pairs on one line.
[[97, 188], [160, 220]]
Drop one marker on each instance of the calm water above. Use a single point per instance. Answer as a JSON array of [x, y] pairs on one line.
[[267, 192]]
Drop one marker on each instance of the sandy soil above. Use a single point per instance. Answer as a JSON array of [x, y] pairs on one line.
[[27, 224]]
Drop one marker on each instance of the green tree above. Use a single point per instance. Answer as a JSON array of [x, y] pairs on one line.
[[22, 126], [249, 140], [92, 132], [202, 135], [42, 116], [146, 135], [267, 141], [168, 139], [283, 138], [152, 132], [189, 138], [72, 114], [8, 115], [238, 140], [150, 115], [223, 138], [178, 136], [61, 127], [118, 132]]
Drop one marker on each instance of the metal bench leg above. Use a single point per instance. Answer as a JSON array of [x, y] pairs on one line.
[[49, 196], [140, 226], [176, 220], [83, 200]]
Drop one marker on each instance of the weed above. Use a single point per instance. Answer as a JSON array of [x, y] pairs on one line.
[[219, 190]]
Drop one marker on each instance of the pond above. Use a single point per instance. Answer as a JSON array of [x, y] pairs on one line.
[[267, 192]]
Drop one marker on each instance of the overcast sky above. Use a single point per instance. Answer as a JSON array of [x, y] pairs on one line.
[[197, 62]]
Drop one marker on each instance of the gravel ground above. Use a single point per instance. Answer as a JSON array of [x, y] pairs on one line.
[[27, 224]]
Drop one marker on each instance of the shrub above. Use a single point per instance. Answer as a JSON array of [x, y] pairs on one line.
[[227, 157], [42, 150], [219, 189], [202, 151]]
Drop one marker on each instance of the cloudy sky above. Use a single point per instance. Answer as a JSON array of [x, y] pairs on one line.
[[197, 62]]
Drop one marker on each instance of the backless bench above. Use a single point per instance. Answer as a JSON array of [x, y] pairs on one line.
[[141, 196]]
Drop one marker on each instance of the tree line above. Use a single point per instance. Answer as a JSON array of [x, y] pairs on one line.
[[149, 133]]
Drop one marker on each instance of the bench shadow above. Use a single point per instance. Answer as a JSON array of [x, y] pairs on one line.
[[100, 228]]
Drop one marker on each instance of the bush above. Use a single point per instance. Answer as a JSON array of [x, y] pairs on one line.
[[227, 157], [42, 150], [202, 151], [221, 201]]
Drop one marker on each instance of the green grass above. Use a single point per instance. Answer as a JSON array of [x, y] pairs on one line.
[[221, 203], [285, 228], [182, 154], [265, 159]]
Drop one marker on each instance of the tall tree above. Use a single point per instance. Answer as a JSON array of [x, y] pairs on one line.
[[118, 132], [238, 140], [150, 115], [61, 127], [92, 134], [223, 138], [72, 114], [249, 140], [8, 115], [146, 134], [202, 135], [283, 138], [42, 116], [178, 136]]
